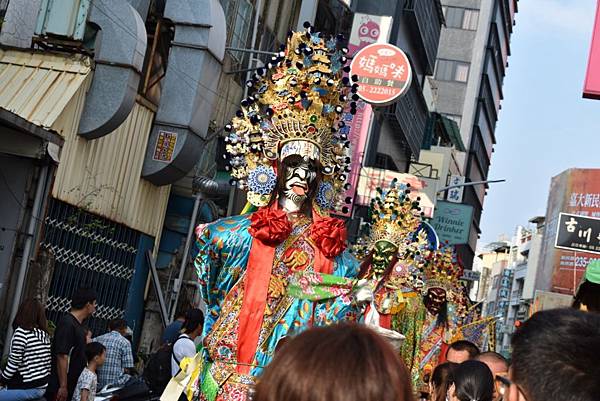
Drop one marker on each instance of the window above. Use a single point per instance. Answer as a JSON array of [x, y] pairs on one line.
[[451, 70], [238, 14], [461, 18]]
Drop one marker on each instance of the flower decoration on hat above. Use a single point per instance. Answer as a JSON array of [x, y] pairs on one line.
[[442, 270], [295, 107]]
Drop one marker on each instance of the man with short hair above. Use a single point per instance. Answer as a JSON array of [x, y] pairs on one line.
[[68, 346], [499, 367], [460, 351], [556, 356], [119, 358]]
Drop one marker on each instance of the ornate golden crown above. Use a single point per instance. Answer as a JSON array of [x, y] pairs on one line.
[[296, 107], [442, 269], [395, 218]]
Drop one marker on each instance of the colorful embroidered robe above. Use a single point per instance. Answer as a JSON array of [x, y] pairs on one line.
[[221, 266]]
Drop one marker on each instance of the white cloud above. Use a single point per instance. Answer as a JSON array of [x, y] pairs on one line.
[[569, 17]]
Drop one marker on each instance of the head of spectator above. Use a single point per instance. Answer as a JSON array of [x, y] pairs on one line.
[[460, 351], [95, 353], [556, 356], [473, 381], [341, 362], [83, 302], [193, 324], [499, 367], [587, 297], [441, 380], [31, 315], [88, 334], [118, 325]]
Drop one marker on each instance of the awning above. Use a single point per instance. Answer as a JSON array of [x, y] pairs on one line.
[[37, 87], [445, 128], [453, 132]]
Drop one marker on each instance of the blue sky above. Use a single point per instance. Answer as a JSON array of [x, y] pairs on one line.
[[545, 126]]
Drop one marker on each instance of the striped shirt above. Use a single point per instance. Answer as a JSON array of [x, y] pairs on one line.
[[29, 359]]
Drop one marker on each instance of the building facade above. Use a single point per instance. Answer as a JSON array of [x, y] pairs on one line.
[[471, 64], [114, 99]]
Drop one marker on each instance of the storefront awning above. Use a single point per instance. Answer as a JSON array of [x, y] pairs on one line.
[[38, 87]]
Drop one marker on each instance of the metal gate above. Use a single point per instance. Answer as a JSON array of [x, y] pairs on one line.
[[91, 251]]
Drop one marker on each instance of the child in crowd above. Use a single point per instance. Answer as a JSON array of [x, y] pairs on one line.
[[86, 385]]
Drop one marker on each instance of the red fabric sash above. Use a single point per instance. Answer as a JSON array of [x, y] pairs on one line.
[[269, 228], [256, 287]]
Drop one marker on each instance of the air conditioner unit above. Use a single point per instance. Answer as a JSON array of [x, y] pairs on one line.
[[65, 19]]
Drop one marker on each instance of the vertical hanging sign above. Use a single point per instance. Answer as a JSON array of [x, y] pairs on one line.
[[366, 30]]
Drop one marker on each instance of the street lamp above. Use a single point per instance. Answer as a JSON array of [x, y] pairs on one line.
[[468, 184]]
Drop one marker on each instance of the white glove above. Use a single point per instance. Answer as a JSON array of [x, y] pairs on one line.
[[364, 292]]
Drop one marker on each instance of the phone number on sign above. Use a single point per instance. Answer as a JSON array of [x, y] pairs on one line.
[[379, 90]]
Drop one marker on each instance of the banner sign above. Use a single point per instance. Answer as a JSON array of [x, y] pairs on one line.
[[373, 178], [578, 233], [366, 30], [452, 222]]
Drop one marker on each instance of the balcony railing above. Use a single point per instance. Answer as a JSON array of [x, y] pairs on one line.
[[426, 16]]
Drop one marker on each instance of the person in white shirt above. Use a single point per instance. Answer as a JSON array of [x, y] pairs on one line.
[[184, 346]]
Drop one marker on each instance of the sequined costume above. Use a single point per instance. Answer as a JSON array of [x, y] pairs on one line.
[[224, 251], [288, 151]]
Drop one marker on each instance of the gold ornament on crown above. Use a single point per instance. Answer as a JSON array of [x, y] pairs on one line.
[[395, 218], [296, 107], [442, 270]]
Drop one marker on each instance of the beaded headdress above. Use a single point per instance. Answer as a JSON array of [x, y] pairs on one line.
[[442, 270], [394, 217], [295, 107]]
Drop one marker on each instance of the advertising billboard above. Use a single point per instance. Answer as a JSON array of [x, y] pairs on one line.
[[576, 192]]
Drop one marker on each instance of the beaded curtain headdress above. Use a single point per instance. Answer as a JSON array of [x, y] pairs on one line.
[[442, 270], [295, 108], [394, 217]]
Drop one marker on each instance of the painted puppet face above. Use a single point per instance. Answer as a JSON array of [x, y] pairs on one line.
[[436, 297], [383, 253], [299, 173]]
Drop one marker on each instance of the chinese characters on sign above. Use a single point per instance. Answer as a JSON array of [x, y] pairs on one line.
[[578, 233], [165, 146], [455, 195], [585, 200], [384, 73], [366, 30]]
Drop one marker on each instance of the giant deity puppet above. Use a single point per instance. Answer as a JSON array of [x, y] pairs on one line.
[[288, 152]]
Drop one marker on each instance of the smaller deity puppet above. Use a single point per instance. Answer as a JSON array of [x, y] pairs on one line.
[[427, 328], [391, 254]]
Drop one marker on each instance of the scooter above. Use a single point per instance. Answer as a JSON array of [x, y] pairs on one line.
[[135, 389]]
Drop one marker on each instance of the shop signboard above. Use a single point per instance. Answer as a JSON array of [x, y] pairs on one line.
[[383, 71], [452, 222], [578, 233], [366, 29]]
